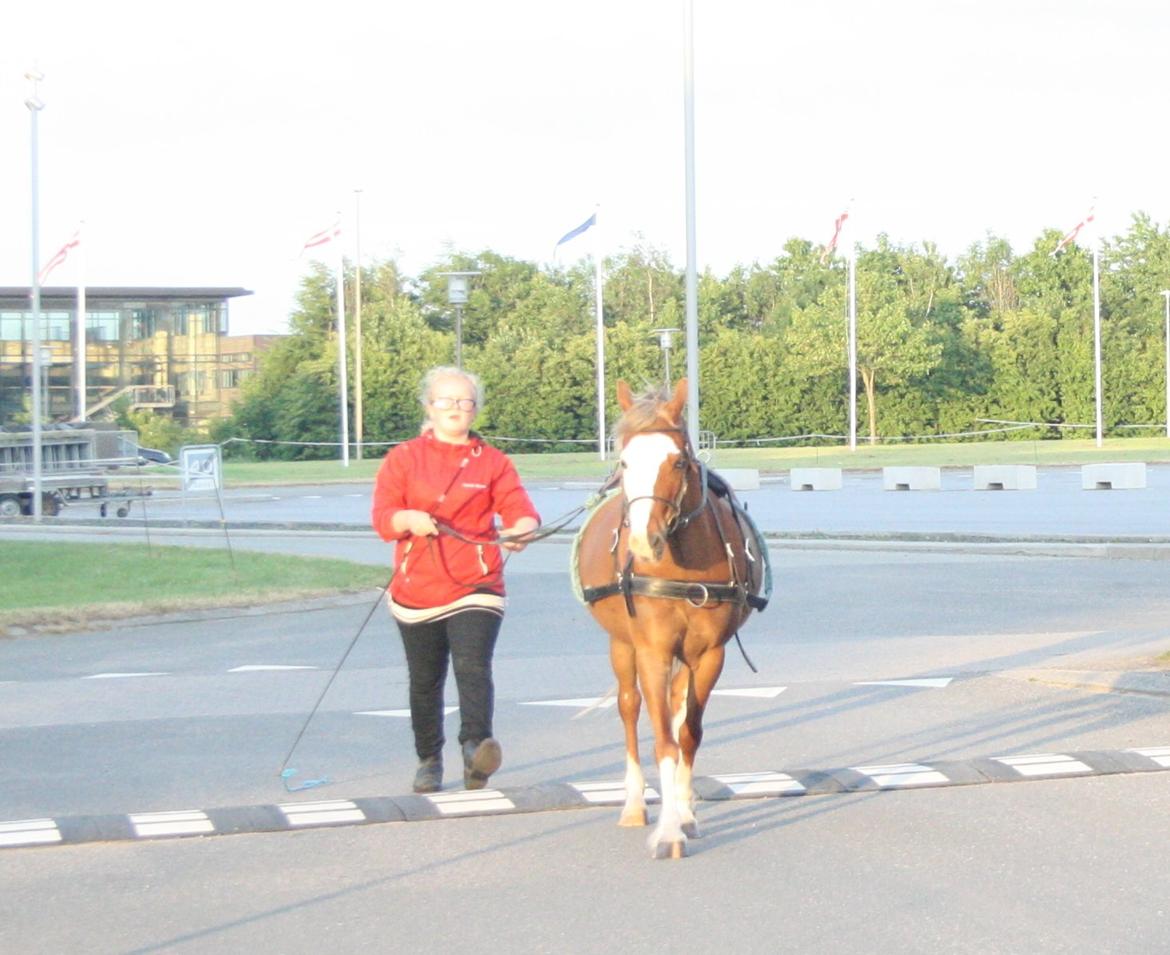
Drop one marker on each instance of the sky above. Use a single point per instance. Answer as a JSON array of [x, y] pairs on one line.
[[203, 144]]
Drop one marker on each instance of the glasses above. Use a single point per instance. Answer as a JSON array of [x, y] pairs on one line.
[[446, 404]]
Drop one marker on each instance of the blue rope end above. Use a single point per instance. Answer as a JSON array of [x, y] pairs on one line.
[[287, 774]]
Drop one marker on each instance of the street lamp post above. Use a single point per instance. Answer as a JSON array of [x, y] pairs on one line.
[[666, 341], [457, 295], [35, 106], [1166, 295]]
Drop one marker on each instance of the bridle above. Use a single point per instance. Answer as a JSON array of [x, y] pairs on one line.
[[687, 460]]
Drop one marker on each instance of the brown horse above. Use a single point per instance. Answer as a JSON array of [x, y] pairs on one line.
[[670, 567]]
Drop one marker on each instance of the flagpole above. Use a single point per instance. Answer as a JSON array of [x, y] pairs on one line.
[[692, 292], [852, 347], [81, 329], [341, 363], [1097, 330], [35, 105], [597, 297], [357, 331]]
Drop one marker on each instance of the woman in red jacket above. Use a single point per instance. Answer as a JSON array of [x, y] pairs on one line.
[[437, 497]]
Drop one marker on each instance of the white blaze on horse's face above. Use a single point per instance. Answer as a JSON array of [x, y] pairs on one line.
[[642, 458]]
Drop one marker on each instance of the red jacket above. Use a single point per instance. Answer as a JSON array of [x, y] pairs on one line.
[[463, 486]]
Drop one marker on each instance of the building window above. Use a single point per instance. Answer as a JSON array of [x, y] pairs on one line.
[[229, 378], [143, 323], [12, 326], [102, 326], [56, 326]]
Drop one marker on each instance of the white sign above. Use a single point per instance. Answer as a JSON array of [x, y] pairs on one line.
[[200, 466]]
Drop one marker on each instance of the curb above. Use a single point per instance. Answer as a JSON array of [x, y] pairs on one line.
[[555, 797]]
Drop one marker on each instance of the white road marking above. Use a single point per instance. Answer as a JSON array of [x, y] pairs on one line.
[[756, 692], [610, 792], [760, 784], [258, 667], [119, 676], [937, 681], [897, 775], [29, 832], [184, 822], [324, 813], [1158, 754], [466, 802], [601, 701], [447, 711], [1044, 764]]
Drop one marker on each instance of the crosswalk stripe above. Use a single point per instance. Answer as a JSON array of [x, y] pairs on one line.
[[1044, 764], [29, 832], [185, 822]]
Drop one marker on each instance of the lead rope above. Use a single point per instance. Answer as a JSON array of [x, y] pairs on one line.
[[287, 773]]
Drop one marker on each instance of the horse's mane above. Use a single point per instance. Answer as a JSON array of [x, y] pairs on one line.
[[644, 414]]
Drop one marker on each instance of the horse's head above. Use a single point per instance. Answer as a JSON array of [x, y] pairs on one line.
[[654, 466]]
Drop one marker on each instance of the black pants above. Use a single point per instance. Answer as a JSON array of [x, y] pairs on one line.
[[468, 638]]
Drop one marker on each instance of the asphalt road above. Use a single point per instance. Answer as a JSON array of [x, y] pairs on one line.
[[872, 661], [1057, 508]]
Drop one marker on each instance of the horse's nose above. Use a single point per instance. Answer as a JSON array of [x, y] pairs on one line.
[[648, 546]]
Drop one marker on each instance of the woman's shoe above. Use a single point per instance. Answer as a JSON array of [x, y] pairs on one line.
[[480, 760], [428, 778]]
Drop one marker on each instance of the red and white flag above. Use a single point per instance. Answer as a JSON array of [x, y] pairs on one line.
[[61, 255], [324, 237], [1075, 231], [832, 244]]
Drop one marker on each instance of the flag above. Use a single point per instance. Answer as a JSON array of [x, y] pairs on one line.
[[62, 254], [324, 237], [832, 244], [573, 233], [1072, 235]]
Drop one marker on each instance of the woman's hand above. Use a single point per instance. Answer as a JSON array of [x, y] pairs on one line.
[[416, 523], [513, 538]]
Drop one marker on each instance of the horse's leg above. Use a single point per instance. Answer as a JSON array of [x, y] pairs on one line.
[[681, 700], [689, 727], [667, 839], [621, 656]]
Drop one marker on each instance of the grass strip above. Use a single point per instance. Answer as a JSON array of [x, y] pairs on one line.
[[55, 585]]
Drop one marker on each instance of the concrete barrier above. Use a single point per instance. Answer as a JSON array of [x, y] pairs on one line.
[[1106, 477], [815, 479], [741, 479], [1004, 477], [911, 479]]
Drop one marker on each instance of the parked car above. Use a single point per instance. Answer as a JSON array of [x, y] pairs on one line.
[[153, 456]]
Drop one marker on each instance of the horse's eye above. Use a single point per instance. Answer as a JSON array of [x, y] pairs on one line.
[[680, 464], [622, 464]]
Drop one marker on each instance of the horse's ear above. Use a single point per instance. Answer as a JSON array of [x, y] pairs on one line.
[[678, 399], [625, 399]]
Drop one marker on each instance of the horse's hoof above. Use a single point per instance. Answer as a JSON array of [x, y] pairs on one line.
[[670, 850], [691, 829], [633, 819]]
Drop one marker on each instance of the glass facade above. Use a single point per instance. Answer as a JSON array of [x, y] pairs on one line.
[[165, 346]]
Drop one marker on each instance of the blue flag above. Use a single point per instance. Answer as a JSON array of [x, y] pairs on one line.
[[573, 233]]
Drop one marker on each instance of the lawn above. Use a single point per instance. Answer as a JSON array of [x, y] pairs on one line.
[[63, 585]]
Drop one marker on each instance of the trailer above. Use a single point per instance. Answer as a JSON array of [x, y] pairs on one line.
[[76, 463]]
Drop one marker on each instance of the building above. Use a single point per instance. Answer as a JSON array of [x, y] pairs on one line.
[[162, 348]]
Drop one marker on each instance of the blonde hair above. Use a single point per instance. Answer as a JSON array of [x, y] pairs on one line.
[[447, 371]]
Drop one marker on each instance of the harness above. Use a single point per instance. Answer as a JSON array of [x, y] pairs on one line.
[[696, 593]]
